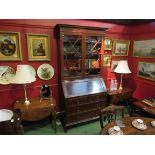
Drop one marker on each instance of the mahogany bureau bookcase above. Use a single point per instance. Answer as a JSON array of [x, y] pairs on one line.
[[81, 58]]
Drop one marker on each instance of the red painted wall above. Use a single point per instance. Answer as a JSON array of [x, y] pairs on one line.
[[10, 93], [143, 87]]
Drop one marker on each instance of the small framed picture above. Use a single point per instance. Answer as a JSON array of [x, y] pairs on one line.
[[120, 47], [38, 47], [114, 64], [107, 44], [106, 60], [10, 46]]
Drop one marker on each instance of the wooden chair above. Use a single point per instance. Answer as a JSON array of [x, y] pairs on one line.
[[109, 113]]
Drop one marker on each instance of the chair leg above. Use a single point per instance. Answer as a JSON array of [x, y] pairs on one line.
[[101, 122]]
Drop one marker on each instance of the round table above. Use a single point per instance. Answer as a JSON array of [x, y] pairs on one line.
[[129, 129], [38, 109]]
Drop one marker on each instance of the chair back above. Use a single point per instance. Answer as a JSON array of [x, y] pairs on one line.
[[109, 113]]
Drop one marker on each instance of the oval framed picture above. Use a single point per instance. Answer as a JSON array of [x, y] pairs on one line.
[[6, 74], [45, 71]]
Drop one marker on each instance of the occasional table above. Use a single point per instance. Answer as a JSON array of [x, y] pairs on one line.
[[121, 97], [144, 107], [37, 110], [129, 129]]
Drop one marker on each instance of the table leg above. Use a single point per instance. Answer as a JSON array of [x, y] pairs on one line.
[[54, 120]]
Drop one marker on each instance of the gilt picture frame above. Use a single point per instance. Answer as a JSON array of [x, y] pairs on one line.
[[106, 60], [146, 70], [120, 47], [10, 46], [144, 48], [107, 44], [38, 47]]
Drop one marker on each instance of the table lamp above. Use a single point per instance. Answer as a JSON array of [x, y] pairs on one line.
[[24, 76], [122, 68]]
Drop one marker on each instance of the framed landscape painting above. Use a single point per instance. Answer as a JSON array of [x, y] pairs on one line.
[[10, 46], [120, 47], [144, 48], [146, 70], [38, 47]]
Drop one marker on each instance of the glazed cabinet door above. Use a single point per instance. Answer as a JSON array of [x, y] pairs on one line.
[[93, 54], [72, 55]]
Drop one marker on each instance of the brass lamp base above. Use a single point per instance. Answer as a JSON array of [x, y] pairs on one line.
[[27, 102], [120, 87]]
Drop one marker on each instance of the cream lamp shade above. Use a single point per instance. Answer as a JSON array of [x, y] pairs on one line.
[[24, 76], [122, 68]]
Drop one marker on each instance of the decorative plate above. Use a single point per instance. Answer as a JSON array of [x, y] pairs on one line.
[[153, 123], [140, 126], [45, 71], [5, 115], [113, 131], [6, 74]]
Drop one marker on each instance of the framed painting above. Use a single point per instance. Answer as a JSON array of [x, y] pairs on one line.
[[106, 60], [146, 70], [114, 64], [10, 46], [107, 44], [144, 48], [38, 47], [120, 47]]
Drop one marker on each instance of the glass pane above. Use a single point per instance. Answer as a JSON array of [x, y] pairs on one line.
[[93, 50], [72, 55]]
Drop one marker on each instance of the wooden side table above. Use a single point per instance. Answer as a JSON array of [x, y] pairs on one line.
[[144, 108], [123, 97], [37, 110]]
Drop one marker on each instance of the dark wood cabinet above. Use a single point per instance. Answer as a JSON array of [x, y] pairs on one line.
[[83, 100], [80, 57], [80, 51]]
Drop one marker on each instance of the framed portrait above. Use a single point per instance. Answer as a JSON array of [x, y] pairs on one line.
[[107, 44], [106, 60], [38, 47], [114, 64], [10, 46], [144, 48], [120, 47], [146, 70]]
